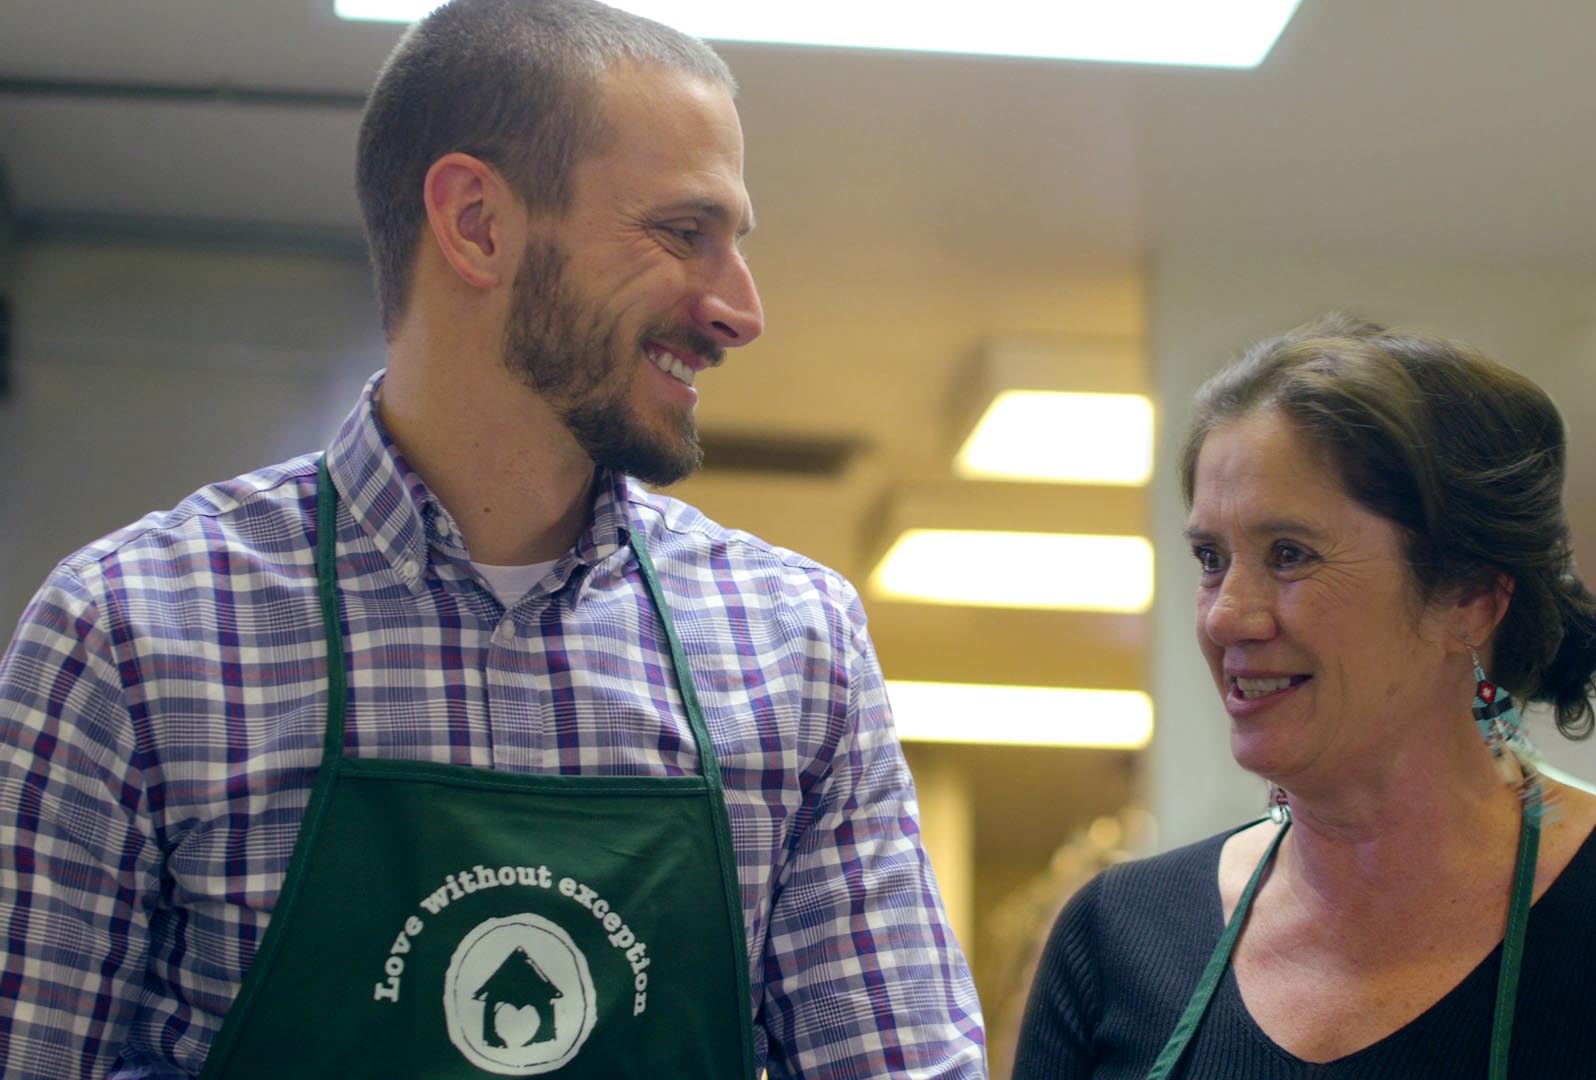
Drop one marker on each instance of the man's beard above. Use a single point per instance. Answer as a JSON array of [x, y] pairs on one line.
[[557, 345]]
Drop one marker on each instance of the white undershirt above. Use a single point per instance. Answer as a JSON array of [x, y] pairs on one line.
[[510, 583]]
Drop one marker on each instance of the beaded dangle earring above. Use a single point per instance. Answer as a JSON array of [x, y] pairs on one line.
[[1279, 805], [1497, 716]]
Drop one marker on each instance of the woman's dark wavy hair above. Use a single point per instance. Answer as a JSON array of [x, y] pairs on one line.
[[1463, 455]]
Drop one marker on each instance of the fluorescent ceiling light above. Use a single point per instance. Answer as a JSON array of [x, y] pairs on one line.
[[1018, 569], [1021, 715], [1042, 435], [404, 11], [1217, 33]]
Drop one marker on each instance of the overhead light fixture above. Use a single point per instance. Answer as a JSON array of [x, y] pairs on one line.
[[402, 11], [1018, 570], [1219, 33], [1057, 437], [1020, 715], [1055, 409]]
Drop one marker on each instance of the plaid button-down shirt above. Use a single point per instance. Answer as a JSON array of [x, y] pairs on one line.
[[162, 709]]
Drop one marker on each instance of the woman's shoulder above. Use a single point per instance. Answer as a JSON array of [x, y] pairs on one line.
[[1181, 866], [1567, 863], [1170, 890], [1128, 945]]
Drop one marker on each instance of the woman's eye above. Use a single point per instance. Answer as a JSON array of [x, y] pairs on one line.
[[1288, 555], [1207, 559]]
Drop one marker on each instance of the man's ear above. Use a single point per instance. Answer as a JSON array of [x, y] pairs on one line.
[[469, 210], [1480, 609]]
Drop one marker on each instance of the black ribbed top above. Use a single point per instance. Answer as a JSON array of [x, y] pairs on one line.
[[1130, 946]]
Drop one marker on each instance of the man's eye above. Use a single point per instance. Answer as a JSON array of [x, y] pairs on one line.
[[1207, 559]]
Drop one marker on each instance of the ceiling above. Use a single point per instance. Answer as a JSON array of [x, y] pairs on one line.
[[1427, 128]]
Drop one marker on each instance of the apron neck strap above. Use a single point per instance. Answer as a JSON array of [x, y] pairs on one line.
[[1170, 1056], [1529, 842], [684, 674], [725, 850], [327, 587]]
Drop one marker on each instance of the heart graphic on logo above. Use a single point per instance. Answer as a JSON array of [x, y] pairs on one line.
[[516, 1026]]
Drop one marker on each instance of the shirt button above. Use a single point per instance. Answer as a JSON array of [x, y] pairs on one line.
[[410, 571], [504, 634]]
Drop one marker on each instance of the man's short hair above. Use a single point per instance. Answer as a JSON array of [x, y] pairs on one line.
[[513, 82]]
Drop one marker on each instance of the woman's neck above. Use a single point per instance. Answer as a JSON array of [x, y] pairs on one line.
[[1416, 829]]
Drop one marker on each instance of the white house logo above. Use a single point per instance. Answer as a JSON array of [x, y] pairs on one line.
[[518, 996]]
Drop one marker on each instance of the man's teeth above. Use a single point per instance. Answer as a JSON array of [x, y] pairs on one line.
[[674, 367], [1256, 688]]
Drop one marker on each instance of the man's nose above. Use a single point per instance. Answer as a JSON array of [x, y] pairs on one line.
[[729, 309]]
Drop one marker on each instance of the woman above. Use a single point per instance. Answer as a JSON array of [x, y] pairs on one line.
[[1384, 566]]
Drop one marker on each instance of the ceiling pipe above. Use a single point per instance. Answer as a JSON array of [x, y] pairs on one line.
[[181, 94]]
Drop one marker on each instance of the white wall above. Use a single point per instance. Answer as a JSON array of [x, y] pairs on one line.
[[1204, 306], [142, 372]]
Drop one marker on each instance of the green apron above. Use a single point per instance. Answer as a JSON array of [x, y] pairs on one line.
[[1529, 839], [446, 921]]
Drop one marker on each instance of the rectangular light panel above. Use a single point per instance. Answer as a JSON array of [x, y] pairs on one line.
[[1064, 438], [1018, 570], [1020, 715], [1215, 33]]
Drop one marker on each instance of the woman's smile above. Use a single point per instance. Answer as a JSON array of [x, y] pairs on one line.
[[1257, 689]]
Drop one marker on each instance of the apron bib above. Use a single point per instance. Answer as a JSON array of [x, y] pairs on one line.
[[1523, 894], [447, 921]]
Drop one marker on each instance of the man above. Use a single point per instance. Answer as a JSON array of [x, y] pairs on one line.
[[453, 752]]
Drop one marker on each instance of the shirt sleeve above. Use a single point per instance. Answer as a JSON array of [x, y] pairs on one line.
[[862, 975], [1055, 1034], [76, 856]]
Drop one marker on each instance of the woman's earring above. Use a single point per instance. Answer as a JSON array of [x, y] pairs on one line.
[[1279, 805], [1502, 728]]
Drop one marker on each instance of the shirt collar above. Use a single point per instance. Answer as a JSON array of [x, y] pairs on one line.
[[411, 528]]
